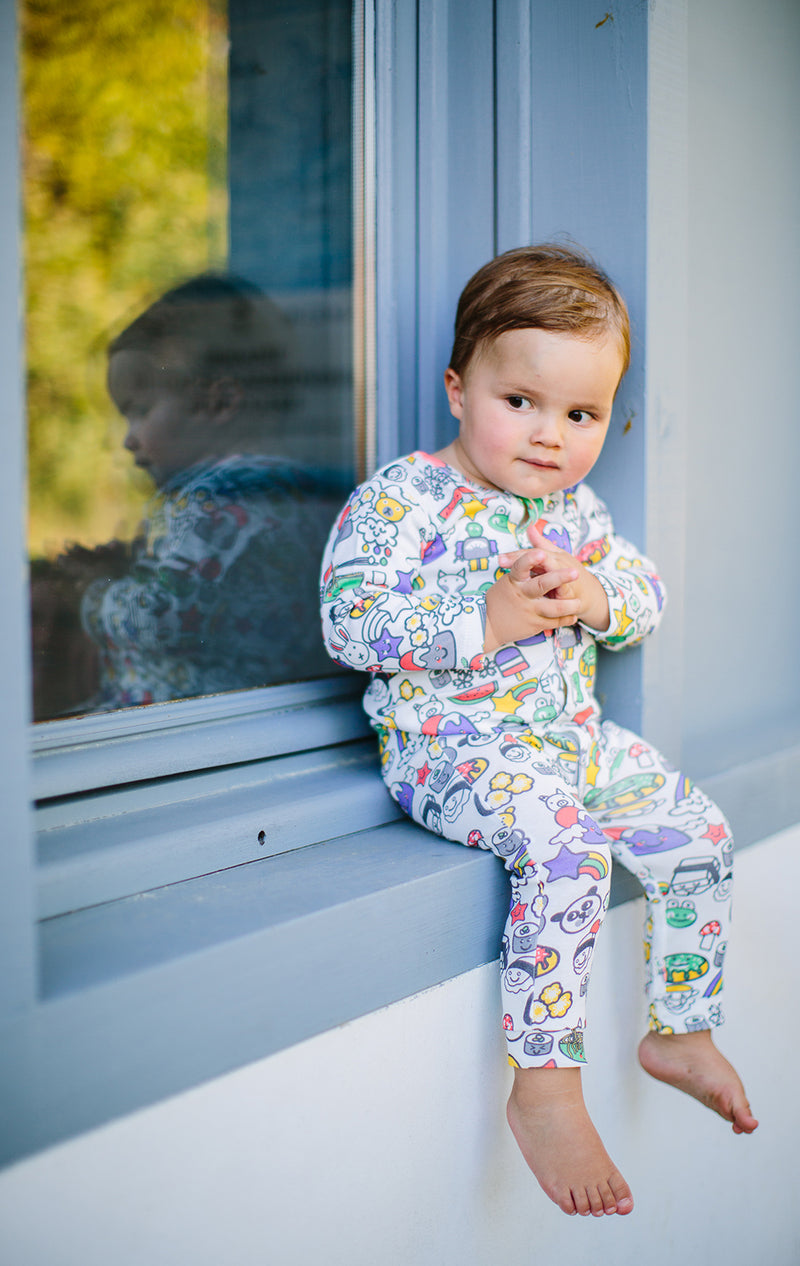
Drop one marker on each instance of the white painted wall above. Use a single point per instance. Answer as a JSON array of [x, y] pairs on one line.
[[742, 678], [383, 1143]]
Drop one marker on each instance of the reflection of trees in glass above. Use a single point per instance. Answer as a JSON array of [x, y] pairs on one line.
[[125, 109]]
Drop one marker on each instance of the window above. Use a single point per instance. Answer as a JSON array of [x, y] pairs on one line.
[[189, 850], [188, 229]]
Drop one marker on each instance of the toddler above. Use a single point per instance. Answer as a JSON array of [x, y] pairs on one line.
[[215, 592], [473, 584], [216, 595]]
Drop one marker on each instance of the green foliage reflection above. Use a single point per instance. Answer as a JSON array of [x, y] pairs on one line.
[[124, 154]]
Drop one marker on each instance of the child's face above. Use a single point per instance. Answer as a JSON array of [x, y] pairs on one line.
[[168, 431], [534, 408]]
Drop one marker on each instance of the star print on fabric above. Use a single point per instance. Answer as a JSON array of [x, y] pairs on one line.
[[518, 911], [624, 621], [714, 833], [404, 579], [386, 646], [422, 773], [507, 702], [472, 507], [566, 865]]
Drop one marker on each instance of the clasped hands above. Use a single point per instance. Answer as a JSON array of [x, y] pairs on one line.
[[544, 588]]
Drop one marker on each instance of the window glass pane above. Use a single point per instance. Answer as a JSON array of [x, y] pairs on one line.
[[188, 227]]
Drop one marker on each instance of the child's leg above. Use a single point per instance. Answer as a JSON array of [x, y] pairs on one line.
[[559, 866], [678, 844]]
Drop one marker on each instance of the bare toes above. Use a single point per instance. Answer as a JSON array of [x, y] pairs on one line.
[[743, 1120], [607, 1198], [596, 1202], [582, 1203], [621, 1193]]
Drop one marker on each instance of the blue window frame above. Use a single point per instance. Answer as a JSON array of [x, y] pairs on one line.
[[210, 873], [205, 881]]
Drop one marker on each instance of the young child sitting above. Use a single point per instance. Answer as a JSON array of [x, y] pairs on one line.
[[474, 584], [217, 590]]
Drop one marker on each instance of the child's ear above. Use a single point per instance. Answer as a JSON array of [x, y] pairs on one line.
[[223, 400], [454, 387]]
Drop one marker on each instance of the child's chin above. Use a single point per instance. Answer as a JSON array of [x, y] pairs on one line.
[[540, 485]]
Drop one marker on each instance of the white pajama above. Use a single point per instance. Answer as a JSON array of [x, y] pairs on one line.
[[507, 751]]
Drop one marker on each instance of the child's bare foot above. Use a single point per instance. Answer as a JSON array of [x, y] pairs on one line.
[[548, 1118], [692, 1063]]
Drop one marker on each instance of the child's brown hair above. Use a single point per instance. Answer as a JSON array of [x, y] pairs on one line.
[[547, 287], [217, 327]]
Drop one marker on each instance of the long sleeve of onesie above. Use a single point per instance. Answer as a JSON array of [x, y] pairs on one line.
[[387, 605], [634, 590]]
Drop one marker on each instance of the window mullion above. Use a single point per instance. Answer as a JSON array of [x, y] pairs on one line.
[[17, 979]]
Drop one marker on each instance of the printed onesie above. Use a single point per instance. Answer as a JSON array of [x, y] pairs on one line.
[[218, 592], [507, 751]]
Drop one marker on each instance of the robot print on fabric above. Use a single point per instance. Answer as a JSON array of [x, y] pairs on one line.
[[507, 751]]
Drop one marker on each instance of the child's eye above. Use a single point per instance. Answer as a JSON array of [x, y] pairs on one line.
[[579, 415], [517, 402]]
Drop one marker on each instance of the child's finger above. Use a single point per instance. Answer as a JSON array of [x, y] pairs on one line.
[[524, 562], [508, 560], [548, 548], [536, 557], [536, 538], [558, 611], [540, 585]]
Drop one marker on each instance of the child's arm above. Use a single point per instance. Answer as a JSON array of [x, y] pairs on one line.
[[621, 594], [634, 590], [384, 607]]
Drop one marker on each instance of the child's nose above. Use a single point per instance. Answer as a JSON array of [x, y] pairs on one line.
[[130, 442], [546, 429]]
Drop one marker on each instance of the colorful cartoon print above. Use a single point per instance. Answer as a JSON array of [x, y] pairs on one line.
[[219, 595], [403, 595], [558, 857], [506, 751]]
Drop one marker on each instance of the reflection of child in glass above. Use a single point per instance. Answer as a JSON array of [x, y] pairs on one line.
[[474, 584], [216, 594]]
